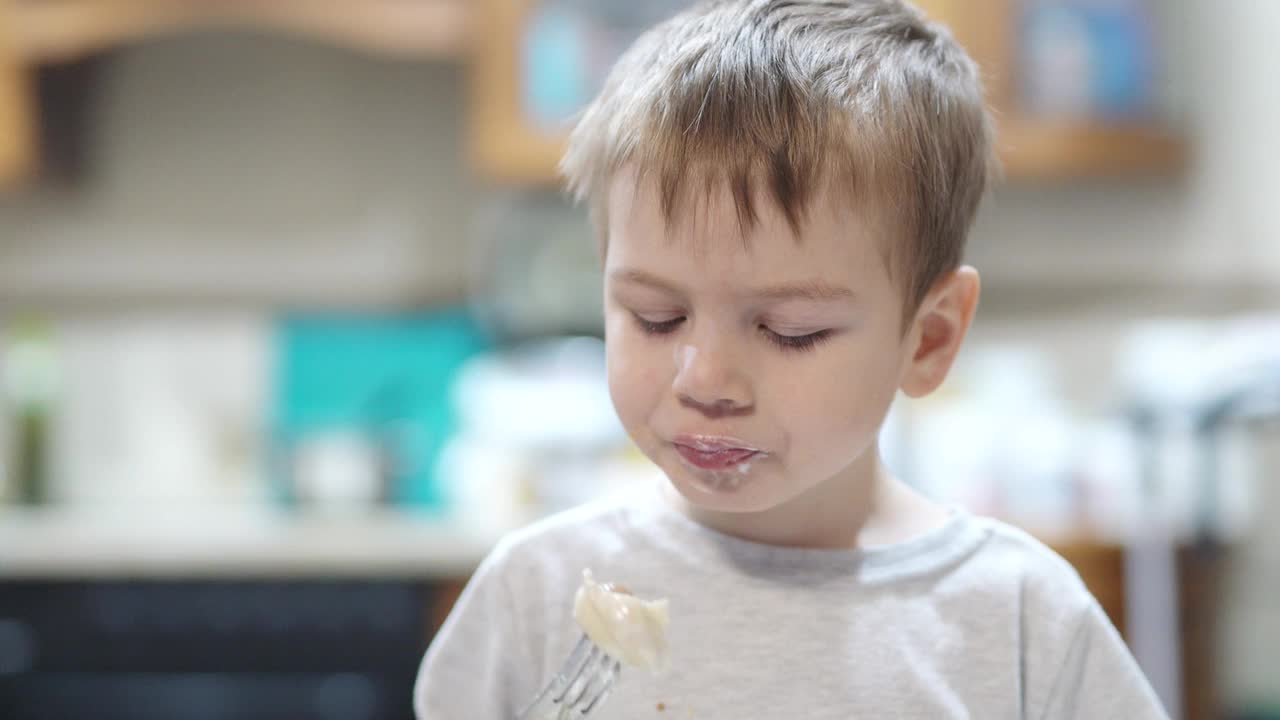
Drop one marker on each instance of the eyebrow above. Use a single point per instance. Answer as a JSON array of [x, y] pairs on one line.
[[814, 290]]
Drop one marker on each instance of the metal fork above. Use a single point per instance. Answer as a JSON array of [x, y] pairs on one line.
[[581, 685]]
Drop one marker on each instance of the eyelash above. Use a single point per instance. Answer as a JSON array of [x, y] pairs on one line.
[[786, 343], [801, 343], [659, 328]]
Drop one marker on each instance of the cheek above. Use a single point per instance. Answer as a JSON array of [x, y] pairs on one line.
[[636, 376], [838, 402]]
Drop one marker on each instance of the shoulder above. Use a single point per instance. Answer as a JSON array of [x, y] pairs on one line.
[[1017, 593], [551, 553], [1046, 585], [1073, 661], [602, 524]]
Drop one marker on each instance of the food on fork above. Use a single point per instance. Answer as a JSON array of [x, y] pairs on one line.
[[628, 629]]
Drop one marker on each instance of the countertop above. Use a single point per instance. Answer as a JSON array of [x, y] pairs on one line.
[[164, 542]]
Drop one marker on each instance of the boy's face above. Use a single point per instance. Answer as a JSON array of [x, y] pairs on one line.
[[752, 370]]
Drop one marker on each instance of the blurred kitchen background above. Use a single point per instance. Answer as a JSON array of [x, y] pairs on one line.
[[295, 322]]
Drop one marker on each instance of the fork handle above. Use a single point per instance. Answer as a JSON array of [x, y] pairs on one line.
[[561, 681]]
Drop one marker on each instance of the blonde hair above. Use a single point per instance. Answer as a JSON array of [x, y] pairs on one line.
[[787, 97]]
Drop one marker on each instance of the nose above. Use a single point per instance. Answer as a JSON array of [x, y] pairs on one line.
[[707, 381]]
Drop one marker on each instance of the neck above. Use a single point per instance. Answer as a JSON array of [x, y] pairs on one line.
[[864, 506]]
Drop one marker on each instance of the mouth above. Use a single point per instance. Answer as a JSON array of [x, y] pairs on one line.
[[715, 453]]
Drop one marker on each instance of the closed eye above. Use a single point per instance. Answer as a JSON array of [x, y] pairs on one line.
[[795, 342], [662, 327]]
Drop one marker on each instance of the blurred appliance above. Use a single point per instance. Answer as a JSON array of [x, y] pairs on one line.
[[537, 433], [1239, 433], [1205, 412], [211, 649], [535, 268]]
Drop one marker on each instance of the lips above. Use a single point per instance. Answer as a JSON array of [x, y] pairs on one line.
[[714, 453]]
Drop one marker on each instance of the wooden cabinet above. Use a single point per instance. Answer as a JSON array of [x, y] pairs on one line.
[[17, 108], [504, 144], [1034, 148], [51, 31], [36, 32], [1101, 567], [508, 146]]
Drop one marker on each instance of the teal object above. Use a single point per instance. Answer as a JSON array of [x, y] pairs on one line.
[[554, 66], [388, 377]]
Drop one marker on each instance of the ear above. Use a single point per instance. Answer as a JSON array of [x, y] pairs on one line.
[[938, 329]]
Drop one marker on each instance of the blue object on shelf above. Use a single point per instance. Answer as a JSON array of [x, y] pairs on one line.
[[555, 84], [1088, 58], [388, 377]]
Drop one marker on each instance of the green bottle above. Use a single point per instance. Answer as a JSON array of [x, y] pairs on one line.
[[31, 385]]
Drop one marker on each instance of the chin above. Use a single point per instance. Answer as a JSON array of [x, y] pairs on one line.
[[726, 492]]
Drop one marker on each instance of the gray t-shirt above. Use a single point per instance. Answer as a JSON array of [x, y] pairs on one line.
[[973, 620]]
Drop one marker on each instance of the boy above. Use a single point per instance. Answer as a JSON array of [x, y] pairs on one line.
[[783, 189]]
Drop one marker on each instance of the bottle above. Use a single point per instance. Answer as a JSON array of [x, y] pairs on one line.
[[30, 389]]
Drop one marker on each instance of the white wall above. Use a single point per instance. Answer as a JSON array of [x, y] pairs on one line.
[[1201, 240], [230, 167]]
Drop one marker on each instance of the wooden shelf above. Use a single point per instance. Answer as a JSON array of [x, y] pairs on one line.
[[1029, 151], [1033, 150], [503, 146], [17, 110], [507, 148], [63, 30]]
